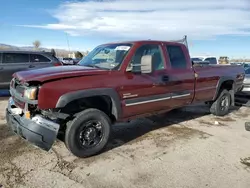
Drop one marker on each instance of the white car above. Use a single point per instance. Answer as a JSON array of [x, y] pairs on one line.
[[67, 60]]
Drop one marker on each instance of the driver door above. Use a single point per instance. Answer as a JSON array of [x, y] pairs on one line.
[[145, 93]]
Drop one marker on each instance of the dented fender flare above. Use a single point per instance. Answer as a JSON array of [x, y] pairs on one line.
[[219, 84]]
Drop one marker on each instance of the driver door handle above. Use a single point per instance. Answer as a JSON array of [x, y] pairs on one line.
[[165, 78]]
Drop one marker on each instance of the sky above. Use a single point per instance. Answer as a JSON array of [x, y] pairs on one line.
[[215, 27]]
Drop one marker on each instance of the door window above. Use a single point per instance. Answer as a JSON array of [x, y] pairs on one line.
[[148, 49], [15, 58], [36, 58], [176, 57]]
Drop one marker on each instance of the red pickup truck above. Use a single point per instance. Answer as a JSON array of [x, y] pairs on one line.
[[114, 82]]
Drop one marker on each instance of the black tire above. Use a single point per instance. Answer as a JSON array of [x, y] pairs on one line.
[[219, 109], [81, 128]]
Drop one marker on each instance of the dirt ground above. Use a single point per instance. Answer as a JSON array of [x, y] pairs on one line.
[[183, 148]]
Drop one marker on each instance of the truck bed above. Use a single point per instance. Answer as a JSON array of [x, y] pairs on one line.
[[209, 76]]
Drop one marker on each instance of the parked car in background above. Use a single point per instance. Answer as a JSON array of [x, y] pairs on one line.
[[199, 61], [76, 60], [246, 65], [66, 60], [205, 59], [13, 61], [246, 82]]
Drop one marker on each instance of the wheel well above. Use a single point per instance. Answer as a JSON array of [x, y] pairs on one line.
[[228, 85], [103, 103]]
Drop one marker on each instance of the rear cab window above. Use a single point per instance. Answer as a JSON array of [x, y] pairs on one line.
[[176, 57], [37, 58], [15, 58]]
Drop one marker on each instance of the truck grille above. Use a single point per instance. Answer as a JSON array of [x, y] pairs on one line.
[[18, 86], [18, 103]]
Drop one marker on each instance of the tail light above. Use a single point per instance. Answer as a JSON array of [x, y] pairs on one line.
[[58, 64]]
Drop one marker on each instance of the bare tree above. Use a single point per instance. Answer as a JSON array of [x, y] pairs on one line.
[[78, 54], [37, 44], [53, 52]]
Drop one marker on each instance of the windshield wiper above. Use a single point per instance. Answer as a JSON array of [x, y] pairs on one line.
[[92, 65]]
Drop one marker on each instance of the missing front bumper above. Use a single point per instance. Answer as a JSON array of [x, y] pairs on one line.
[[38, 130]]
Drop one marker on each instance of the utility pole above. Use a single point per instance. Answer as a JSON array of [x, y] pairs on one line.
[[68, 41]]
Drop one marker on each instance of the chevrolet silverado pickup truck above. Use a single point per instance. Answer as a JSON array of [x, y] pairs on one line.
[[115, 82]]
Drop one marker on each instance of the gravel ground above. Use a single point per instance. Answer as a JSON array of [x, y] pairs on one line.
[[183, 148]]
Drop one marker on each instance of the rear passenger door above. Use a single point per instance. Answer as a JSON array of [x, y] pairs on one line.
[[11, 63], [181, 75], [39, 61]]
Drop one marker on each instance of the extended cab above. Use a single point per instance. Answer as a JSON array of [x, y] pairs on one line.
[[115, 82]]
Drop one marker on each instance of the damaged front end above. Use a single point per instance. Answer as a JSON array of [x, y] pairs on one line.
[[25, 119]]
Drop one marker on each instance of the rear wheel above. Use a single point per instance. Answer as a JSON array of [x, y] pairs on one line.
[[221, 105], [88, 133]]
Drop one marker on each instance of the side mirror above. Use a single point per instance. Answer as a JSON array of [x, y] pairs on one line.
[[146, 64]]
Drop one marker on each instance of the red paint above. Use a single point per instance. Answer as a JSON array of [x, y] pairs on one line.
[[79, 78]]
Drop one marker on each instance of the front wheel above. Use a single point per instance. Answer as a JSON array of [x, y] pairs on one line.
[[88, 133], [221, 105]]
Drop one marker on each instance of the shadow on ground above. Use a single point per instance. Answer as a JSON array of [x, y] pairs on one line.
[[124, 133], [127, 132]]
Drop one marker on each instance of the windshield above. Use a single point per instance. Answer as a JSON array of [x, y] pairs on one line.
[[106, 56]]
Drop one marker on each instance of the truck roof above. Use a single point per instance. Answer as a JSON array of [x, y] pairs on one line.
[[180, 41]]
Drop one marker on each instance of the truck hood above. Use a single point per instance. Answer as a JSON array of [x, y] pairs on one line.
[[53, 73]]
